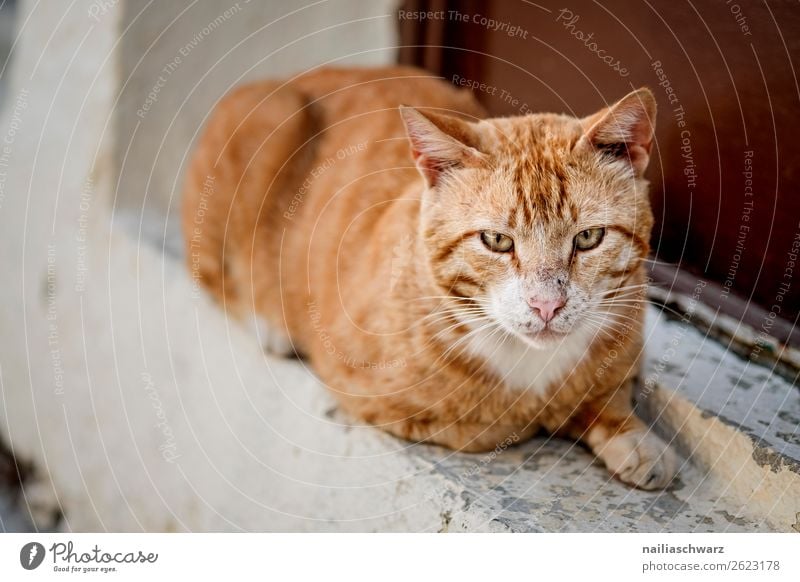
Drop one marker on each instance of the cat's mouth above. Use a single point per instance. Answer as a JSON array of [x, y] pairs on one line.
[[545, 335]]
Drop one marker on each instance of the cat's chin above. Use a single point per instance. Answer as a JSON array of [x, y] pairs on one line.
[[543, 339]]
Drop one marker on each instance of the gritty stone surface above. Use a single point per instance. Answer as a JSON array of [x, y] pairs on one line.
[[743, 394], [551, 485]]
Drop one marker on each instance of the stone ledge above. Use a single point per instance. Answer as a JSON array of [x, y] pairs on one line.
[[738, 420], [757, 346]]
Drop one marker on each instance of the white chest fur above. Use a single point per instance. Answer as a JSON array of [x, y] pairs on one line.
[[523, 367]]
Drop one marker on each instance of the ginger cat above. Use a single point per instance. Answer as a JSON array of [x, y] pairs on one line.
[[452, 279]]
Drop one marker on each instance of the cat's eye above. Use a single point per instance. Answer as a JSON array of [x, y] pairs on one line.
[[589, 238], [497, 241]]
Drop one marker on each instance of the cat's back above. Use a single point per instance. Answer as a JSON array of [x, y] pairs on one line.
[[361, 151], [278, 154], [359, 126]]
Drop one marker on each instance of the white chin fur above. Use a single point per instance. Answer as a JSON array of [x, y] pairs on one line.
[[529, 363]]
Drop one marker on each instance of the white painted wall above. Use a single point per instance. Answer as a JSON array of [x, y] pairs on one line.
[[179, 58]]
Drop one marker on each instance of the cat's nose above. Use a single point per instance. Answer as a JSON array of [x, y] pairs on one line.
[[546, 308]]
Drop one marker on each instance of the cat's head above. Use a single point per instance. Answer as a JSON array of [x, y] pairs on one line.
[[536, 219]]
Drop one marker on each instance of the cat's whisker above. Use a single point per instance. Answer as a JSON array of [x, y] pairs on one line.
[[618, 307], [443, 307], [453, 297], [627, 296], [467, 300], [444, 314], [458, 312], [595, 324], [611, 333], [598, 326], [459, 324], [617, 310], [439, 316], [614, 332], [611, 300], [617, 314], [469, 319], [464, 345], [450, 319], [626, 288], [628, 303], [464, 338], [633, 298], [634, 286], [659, 306], [630, 290], [446, 324], [606, 316]]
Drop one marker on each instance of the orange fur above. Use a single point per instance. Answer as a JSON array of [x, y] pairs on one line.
[[316, 219]]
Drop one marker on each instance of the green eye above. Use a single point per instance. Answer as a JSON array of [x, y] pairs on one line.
[[497, 242], [589, 238]]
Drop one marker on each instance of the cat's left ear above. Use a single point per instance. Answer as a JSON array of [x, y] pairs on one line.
[[624, 130], [440, 143]]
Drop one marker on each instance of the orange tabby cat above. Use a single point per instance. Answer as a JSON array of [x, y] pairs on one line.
[[486, 281]]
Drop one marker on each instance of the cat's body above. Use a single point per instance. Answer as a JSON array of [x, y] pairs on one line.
[[316, 220]]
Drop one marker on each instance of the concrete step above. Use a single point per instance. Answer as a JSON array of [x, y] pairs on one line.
[[550, 485]]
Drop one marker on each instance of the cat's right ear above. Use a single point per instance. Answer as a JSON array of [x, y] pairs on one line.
[[440, 143], [624, 130]]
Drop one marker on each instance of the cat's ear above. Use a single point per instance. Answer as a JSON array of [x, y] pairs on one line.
[[624, 130], [440, 143]]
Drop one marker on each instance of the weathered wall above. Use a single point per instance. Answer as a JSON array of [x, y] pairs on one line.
[[177, 60]]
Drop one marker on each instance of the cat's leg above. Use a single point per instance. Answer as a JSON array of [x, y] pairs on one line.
[[468, 437], [627, 446]]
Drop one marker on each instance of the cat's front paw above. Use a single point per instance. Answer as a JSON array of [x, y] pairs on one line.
[[639, 458]]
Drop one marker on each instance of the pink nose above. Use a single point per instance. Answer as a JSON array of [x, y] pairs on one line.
[[546, 309]]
